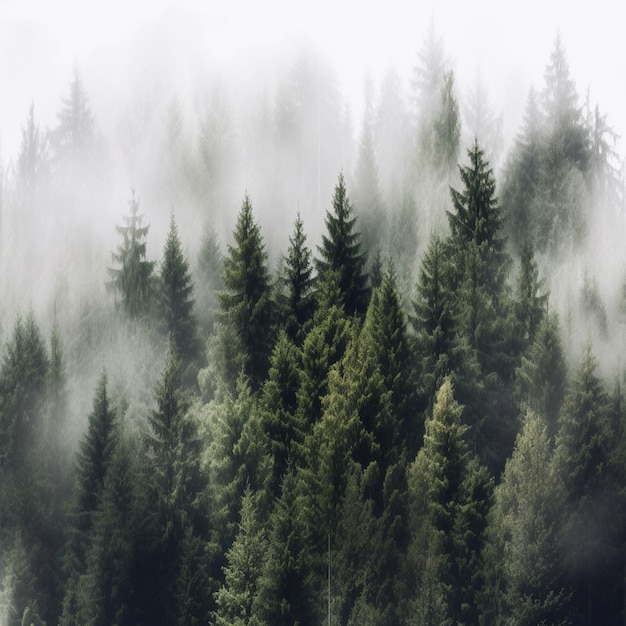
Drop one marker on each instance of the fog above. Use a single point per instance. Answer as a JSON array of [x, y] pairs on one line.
[[187, 107], [150, 69]]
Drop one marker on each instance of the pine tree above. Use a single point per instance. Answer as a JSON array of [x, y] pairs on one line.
[[23, 377], [366, 195], [75, 130], [208, 282], [477, 218], [386, 336], [246, 558], [176, 303], [523, 553], [449, 499], [541, 377], [286, 594], [530, 302], [279, 402], [175, 480], [133, 279], [585, 445], [32, 160], [340, 252], [447, 128], [245, 304], [298, 280]]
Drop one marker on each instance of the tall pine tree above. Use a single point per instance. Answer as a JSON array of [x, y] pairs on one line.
[[341, 252]]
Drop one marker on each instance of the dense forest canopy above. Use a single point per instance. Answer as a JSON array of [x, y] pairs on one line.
[[266, 362]]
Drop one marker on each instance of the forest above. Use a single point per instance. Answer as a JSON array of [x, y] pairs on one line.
[[309, 374]]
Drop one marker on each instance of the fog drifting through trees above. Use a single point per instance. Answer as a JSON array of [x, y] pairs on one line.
[[270, 299]]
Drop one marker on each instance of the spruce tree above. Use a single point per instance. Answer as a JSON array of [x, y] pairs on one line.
[[245, 303], [530, 303], [23, 377], [477, 218], [585, 446], [298, 280], [279, 404], [133, 279], [340, 252], [386, 336], [245, 561], [174, 479], [525, 583], [540, 380], [176, 302]]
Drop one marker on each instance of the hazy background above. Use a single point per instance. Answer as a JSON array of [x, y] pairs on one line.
[[508, 42]]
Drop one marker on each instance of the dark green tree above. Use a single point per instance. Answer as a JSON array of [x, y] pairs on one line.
[[286, 593], [133, 279], [477, 219], [175, 482], [175, 298], [341, 252], [540, 380], [585, 445], [245, 303], [385, 335], [299, 301], [279, 403], [23, 378]]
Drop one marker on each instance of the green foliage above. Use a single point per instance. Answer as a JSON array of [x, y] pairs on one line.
[[245, 304], [530, 303], [525, 583], [246, 559], [299, 302], [23, 378], [340, 252], [386, 341], [133, 279], [279, 403], [541, 378], [175, 297], [208, 280], [585, 447], [286, 594]]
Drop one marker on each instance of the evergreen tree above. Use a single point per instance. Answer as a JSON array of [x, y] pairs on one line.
[[175, 481], [245, 304], [477, 219], [298, 281], [530, 302], [176, 303], [366, 195], [208, 282], [32, 160], [281, 420], [447, 128], [385, 334], [246, 559], [133, 279], [525, 582], [585, 444], [340, 252], [286, 594], [449, 497], [541, 377], [23, 377], [76, 129]]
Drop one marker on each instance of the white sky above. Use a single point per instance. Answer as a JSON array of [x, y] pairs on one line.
[[40, 40]]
